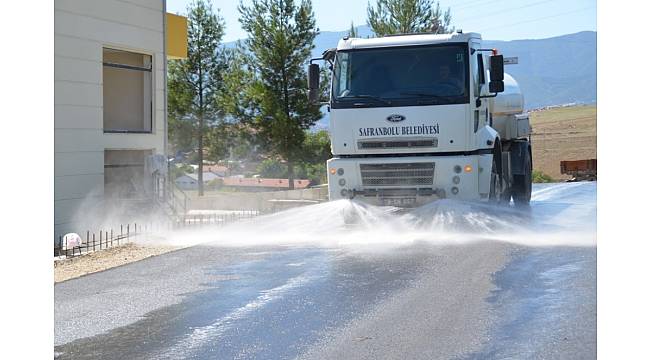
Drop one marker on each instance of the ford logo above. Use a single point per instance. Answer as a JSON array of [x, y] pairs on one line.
[[396, 118]]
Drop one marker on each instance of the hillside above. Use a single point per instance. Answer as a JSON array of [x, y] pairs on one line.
[[554, 71], [563, 133]]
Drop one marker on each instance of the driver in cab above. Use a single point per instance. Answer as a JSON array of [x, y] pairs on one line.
[[445, 78]]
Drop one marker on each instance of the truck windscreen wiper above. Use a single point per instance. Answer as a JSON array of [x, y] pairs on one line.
[[363, 96]]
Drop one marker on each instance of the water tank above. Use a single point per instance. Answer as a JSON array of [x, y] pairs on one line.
[[510, 101]]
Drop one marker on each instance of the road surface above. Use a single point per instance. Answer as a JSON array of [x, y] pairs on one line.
[[446, 281]]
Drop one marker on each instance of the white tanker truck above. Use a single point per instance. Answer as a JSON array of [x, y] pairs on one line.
[[420, 117]]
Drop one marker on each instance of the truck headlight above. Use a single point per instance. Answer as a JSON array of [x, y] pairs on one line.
[[342, 182]]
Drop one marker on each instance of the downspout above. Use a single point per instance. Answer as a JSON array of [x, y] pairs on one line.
[[164, 14], [168, 181]]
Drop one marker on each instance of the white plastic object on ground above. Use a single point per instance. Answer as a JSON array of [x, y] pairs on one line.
[[70, 240]]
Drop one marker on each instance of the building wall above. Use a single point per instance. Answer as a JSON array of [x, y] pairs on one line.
[[261, 201], [82, 28]]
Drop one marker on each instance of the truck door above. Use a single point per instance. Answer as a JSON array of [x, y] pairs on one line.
[[480, 116]]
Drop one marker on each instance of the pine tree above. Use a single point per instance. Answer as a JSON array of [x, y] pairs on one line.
[[195, 83], [353, 31], [280, 39], [391, 17]]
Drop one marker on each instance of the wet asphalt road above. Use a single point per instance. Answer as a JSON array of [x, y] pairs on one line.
[[480, 299]]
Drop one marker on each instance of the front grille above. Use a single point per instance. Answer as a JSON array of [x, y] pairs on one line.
[[398, 174], [392, 144]]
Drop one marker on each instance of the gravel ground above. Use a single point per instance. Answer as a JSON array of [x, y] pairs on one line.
[[71, 268]]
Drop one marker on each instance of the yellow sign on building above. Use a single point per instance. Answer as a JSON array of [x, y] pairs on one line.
[[176, 37]]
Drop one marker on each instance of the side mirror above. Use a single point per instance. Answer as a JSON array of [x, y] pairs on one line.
[[496, 68], [313, 83], [496, 74], [496, 86]]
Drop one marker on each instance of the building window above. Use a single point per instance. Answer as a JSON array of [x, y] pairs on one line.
[[124, 174], [127, 92]]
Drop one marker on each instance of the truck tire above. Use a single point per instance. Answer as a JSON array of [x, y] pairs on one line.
[[496, 178], [523, 184]]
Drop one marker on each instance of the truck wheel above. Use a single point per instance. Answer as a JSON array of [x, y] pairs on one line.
[[523, 184], [496, 180]]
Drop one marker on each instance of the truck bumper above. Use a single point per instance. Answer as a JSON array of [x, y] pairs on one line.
[[410, 181]]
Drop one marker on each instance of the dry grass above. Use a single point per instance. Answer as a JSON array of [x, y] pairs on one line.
[[567, 133], [105, 259]]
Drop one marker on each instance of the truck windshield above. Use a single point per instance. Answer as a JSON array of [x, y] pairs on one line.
[[401, 76]]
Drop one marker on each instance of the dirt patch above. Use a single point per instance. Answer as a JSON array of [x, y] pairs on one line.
[[105, 259], [567, 133]]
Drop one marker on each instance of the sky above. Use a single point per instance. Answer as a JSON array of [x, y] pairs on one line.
[[494, 19]]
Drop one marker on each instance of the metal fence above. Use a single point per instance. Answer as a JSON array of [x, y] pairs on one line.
[[216, 219], [115, 236], [99, 240]]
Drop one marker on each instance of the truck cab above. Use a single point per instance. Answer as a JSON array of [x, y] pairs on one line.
[[412, 120]]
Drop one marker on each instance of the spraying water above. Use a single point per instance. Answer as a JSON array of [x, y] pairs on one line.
[[316, 288], [560, 214]]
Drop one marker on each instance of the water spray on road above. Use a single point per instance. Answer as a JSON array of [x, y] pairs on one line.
[[560, 214], [328, 272]]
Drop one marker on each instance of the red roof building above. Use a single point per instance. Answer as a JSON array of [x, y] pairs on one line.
[[258, 184], [216, 169]]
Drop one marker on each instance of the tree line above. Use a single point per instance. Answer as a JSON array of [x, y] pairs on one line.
[[249, 101]]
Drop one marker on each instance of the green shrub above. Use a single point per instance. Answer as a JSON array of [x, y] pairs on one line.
[[540, 177], [316, 173], [271, 168], [215, 184]]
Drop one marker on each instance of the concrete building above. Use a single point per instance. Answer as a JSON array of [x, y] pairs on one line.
[[110, 102]]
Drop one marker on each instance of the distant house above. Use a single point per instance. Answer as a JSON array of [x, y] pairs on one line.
[[262, 184], [191, 181], [216, 169]]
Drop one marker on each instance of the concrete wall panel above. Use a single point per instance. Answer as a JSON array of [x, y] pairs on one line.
[[115, 11], [128, 37], [79, 163], [65, 210], [72, 93], [151, 4], [70, 69], [74, 47], [78, 186], [77, 140], [77, 117], [133, 142], [160, 99]]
